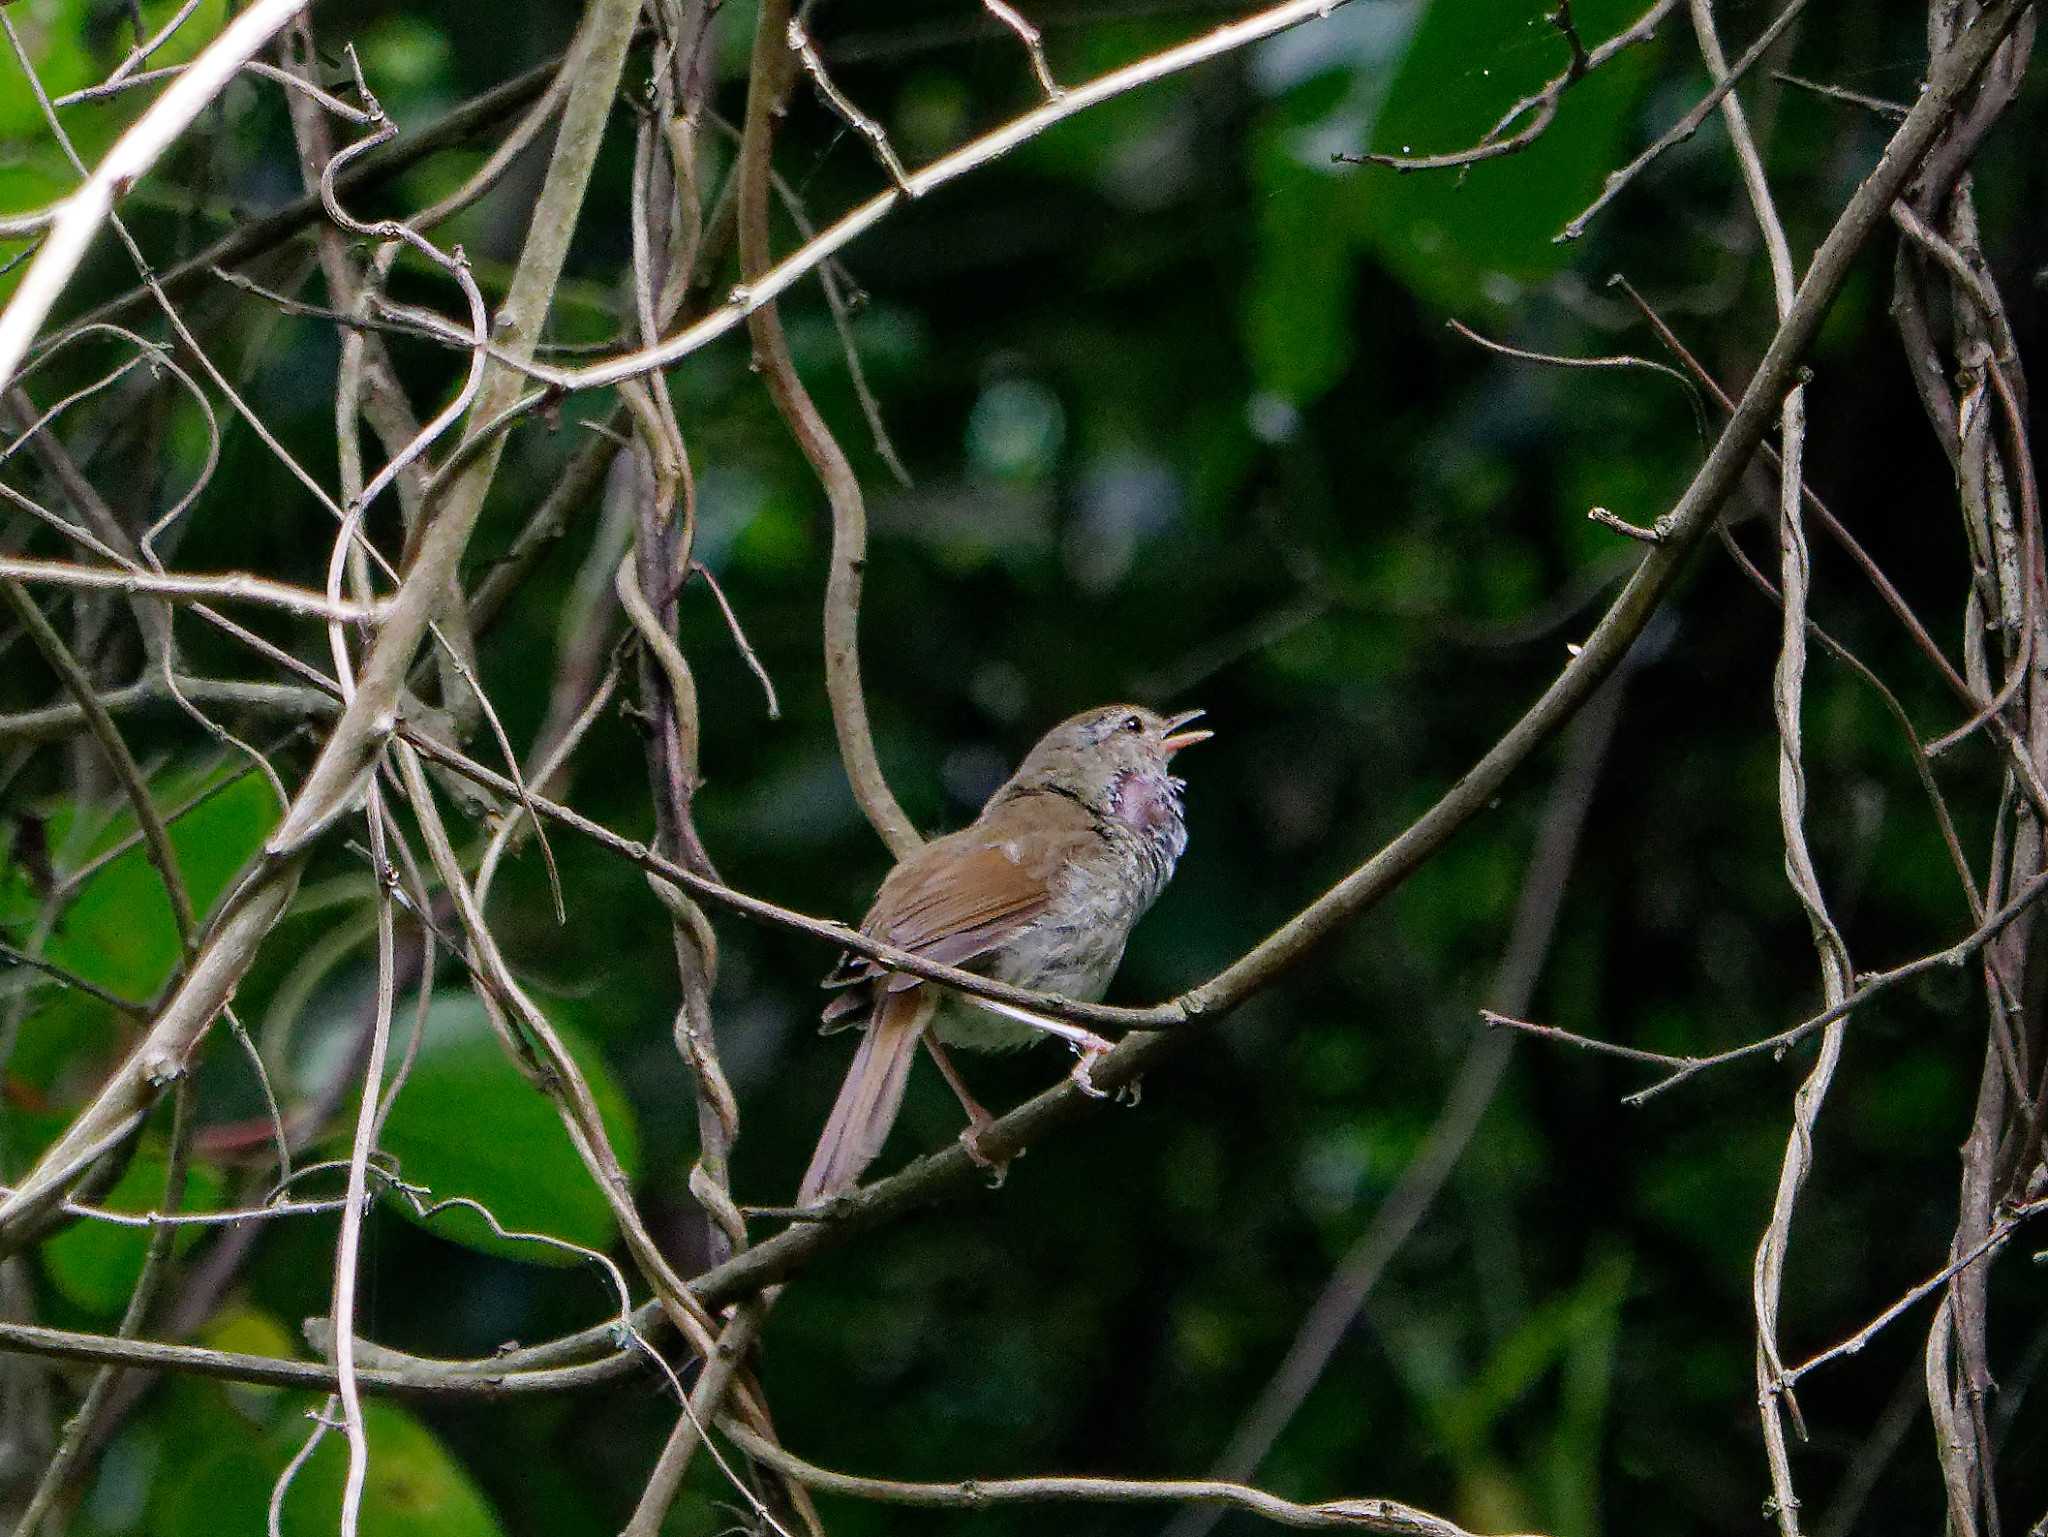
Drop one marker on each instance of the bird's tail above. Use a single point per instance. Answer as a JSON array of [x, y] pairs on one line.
[[871, 1096]]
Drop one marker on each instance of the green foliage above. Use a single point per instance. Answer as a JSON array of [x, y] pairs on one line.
[[469, 1124], [1475, 239], [1486, 235], [1184, 424], [95, 1264], [414, 1487], [119, 933]]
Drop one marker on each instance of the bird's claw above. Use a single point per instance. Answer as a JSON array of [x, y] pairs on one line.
[[1083, 1081], [1130, 1093], [997, 1169]]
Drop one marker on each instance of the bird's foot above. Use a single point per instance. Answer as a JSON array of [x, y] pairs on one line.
[[1081, 1072], [997, 1169], [1130, 1093]]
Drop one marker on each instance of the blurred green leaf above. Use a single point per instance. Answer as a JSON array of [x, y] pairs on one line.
[[1460, 238], [414, 1486], [119, 933], [95, 1264], [468, 1124], [1543, 1339], [54, 35], [1574, 1452], [1300, 297]]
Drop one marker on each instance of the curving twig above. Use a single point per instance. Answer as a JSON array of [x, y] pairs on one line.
[[340, 772], [1788, 695], [768, 86], [1388, 1517]]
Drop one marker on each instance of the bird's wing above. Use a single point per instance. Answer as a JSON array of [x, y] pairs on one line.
[[961, 896]]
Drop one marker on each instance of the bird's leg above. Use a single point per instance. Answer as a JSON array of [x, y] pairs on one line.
[[1088, 1046], [978, 1118], [1086, 1042]]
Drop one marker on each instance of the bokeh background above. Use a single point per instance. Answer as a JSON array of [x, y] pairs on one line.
[[1183, 423]]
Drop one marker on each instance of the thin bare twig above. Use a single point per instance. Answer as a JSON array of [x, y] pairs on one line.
[[155, 1264], [739, 639], [356, 1202], [2008, 1223], [878, 140], [189, 587], [345, 763], [1540, 106], [257, 67], [1686, 126], [768, 85], [1389, 1517], [10, 956], [157, 839], [1891, 109], [1034, 44], [1788, 695], [1869, 985]]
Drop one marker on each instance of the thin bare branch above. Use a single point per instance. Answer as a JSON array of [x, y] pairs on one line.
[[1538, 110], [1688, 125], [155, 1262], [1034, 45], [189, 587], [1389, 1517], [800, 44]]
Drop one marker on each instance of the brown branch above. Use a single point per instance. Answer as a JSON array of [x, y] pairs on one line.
[[768, 86], [252, 237], [349, 756], [1389, 1517]]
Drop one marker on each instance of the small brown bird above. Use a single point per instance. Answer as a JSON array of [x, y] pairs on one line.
[[1041, 890]]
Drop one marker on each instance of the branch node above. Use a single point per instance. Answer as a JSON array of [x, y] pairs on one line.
[[1651, 535]]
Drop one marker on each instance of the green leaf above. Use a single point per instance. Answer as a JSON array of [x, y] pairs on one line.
[[1587, 1383], [1297, 321], [1547, 1336], [468, 1124], [1461, 238], [119, 933], [414, 1485], [54, 37], [96, 1264]]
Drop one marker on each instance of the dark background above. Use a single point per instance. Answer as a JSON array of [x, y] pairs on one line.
[[1185, 425]]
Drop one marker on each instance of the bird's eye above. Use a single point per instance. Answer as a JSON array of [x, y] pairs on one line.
[[1133, 724]]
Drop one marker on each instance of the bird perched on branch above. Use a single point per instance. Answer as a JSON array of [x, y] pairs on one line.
[[1041, 890]]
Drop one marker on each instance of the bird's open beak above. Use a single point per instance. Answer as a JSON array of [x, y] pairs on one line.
[[1176, 738]]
